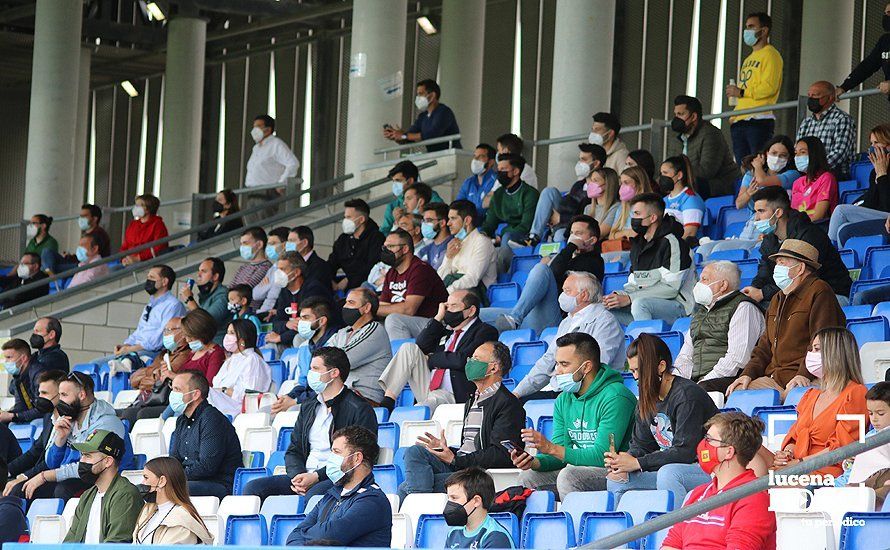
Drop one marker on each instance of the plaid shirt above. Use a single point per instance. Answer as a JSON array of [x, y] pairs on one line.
[[837, 131]]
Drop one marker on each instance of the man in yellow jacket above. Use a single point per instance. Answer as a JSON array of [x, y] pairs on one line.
[[760, 79]]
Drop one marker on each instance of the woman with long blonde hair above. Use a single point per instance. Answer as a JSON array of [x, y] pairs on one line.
[[168, 517], [602, 189]]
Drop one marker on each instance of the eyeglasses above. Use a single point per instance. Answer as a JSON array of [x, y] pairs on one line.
[[172, 330], [711, 440]]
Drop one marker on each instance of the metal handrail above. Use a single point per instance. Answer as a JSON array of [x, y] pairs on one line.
[[126, 290], [816, 462], [575, 137], [187, 250], [413, 144]]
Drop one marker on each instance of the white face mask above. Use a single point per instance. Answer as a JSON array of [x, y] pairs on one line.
[[348, 226], [595, 139], [31, 231], [138, 212], [280, 279], [702, 293], [477, 167], [582, 170], [775, 162], [23, 271], [257, 134], [421, 102]]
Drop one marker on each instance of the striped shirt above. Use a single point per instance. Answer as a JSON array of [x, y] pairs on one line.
[[251, 275], [473, 421]]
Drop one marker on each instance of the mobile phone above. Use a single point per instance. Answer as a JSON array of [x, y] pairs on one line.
[[612, 443], [190, 282], [510, 446], [387, 126]]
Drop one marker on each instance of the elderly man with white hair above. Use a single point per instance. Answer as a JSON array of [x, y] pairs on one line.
[[581, 299], [724, 329]]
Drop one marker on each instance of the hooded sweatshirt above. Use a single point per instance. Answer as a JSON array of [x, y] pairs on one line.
[[582, 423], [662, 267]]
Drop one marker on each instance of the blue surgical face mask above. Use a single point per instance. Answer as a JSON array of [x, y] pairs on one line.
[[272, 252], [802, 162], [196, 345], [246, 252], [290, 247], [334, 466], [169, 342], [428, 230], [750, 37], [83, 223], [177, 402], [313, 378], [781, 276], [305, 330], [11, 367], [567, 383], [397, 188], [81, 254], [462, 234], [764, 227]]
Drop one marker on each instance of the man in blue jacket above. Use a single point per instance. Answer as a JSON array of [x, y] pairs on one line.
[[355, 512]]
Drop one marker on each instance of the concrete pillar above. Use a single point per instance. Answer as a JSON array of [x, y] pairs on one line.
[[826, 28], [183, 107], [460, 64], [376, 63], [52, 118], [81, 139], [582, 78]]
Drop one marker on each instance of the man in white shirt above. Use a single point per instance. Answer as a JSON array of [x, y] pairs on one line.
[[470, 257], [581, 299], [270, 162], [724, 329]]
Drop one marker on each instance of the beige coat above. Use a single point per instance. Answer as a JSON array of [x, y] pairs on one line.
[[179, 527]]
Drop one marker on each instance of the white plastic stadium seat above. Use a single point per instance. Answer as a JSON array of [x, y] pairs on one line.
[[233, 505], [393, 502], [444, 413], [402, 532], [250, 420], [125, 398], [504, 477], [48, 529], [788, 500], [168, 429], [68, 512], [718, 398], [104, 396], [262, 440], [285, 419], [453, 432], [416, 504], [804, 530], [147, 437], [875, 358], [287, 386], [837, 501], [206, 505], [133, 476], [410, 430]]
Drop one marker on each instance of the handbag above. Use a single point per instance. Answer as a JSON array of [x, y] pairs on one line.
[[160, 394]]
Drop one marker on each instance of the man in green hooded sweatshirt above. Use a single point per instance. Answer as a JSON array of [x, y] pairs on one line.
[[593, 409]]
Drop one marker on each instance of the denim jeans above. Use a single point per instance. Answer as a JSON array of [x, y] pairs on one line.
[[209, 489], [280, 485], [424, 473], [538, 304], [642, 309], [677, 478], [872, 296], [547, 202], [749, 136], [851, 221]]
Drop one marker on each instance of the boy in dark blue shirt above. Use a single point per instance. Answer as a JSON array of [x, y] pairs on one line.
[[470, 495]]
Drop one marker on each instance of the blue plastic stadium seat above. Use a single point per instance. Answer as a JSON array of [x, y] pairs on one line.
[[748, 268], [268, 354], [713, 206], [734, 229], [510, 337], [524, 263], [674, 341], [289, 358], [728, 216], [861, 244], [792, 398], [864, 530], [503, 295], [520, 277], [681, 325], [45, 507], [876, 259], [639, 503], [281, 505], [847, 185], [382, 414], [431, 531], [246, 530], [540, 502], [860, 171], [882, 310], [849, 258], [631, 383], [614, 281], [509, 383], [578, 502], [406, 397], [279, 372], [388, 477], [746, 400], [548, 335], [597, 525], [396, 344], [527, 353], [857, 312], [275, 459], [860, 285], [655, 540], [870, 329], [536, 408], [733, 255], [119, 382], [282, 527], [243, 476], [139, 461], [545, 426], [849, 197], [550, 530], [388, 435], [508, 521], [782, 426], [518, 372], [615, 267], [284, 435], [415, 412], [652, 326], [398, 458]]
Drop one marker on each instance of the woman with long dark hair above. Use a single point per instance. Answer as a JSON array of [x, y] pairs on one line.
[[670, 418], [225, 204], [681, 199], [168, 517], [244, 371], [815, 192]]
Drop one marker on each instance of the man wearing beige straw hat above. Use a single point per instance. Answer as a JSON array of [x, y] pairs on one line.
[[804, 305]]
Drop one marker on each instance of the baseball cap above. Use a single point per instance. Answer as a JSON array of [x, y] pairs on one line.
[[102, 441]]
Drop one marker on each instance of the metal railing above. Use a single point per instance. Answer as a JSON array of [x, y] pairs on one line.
[[816, 462], [417, 144], [167, 257]]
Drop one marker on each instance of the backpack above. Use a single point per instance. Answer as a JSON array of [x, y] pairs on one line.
[[511, 499]]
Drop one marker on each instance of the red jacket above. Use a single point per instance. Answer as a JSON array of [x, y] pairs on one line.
[[139, 233], [745, 524]]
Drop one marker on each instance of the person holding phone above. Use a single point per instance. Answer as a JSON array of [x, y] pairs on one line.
[[593, 414]]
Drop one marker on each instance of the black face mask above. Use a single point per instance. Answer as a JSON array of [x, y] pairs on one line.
[[151, 287], [217, 207], [814, 104], [504, 179], [71, 410], [665, 185], [678, 125], [388, 257], [86, 474], [456, 514], [43, 405], [149, 493], [351, 315], [37, 341], [637, 225], [453, 318], [205, 288], [885, 22]]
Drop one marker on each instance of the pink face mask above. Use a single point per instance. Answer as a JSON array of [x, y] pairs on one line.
[[594, 191], [626, 192], [230, 343], [814, 363]]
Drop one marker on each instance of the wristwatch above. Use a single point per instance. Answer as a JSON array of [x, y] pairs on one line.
[[190, 299]]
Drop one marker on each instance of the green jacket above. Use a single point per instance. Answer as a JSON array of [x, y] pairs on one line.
[[516, 210], [120, 510], [388, 219], [217, 305], [49, 243], [582, 424]]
